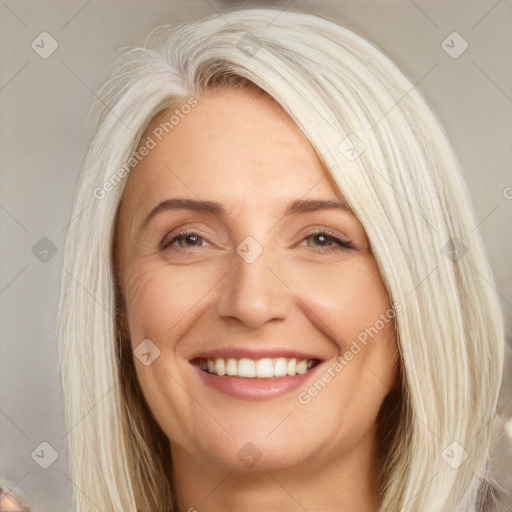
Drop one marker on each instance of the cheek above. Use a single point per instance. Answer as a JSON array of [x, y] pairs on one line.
[[160, 298], [345, 298], [160, 303], [351, 306]]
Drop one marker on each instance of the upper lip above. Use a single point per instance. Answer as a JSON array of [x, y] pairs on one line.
[[255, 354]]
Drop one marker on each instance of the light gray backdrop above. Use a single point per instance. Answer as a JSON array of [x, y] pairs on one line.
[[45, 128]]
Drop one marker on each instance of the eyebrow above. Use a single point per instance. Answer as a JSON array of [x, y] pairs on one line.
[[297, 206]]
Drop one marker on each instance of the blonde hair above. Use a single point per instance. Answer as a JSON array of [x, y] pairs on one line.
[[390, 158]]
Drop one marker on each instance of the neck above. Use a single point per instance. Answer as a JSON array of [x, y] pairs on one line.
[[344, 483]]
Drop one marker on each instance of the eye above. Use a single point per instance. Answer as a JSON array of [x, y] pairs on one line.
[[184, 239], [327, 242], [322, 240]]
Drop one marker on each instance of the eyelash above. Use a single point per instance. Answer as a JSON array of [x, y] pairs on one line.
[[342, 245]]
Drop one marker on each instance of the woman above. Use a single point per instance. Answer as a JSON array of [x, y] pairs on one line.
[[273, 297]]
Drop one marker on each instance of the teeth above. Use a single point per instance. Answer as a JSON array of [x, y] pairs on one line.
[[246, 368], [290, 368], [302, 367], [280, 367], [262, 368], [231, 366], [265, 368], [220, 367]]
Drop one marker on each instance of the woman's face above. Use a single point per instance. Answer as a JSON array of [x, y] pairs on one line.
[[262, 331]]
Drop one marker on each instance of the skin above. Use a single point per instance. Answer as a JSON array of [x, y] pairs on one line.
[[10, 503], [241, 149]]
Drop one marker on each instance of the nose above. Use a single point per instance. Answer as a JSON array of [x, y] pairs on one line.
[[253, 293]]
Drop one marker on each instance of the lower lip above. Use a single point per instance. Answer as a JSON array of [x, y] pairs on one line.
[[255, 389]]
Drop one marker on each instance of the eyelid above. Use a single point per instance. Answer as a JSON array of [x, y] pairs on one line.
[[329, 231]]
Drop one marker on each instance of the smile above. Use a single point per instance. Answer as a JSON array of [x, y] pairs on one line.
[[255, 373], [260, 369]]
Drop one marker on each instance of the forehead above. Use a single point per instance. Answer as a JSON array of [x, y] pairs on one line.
[[234, 145]]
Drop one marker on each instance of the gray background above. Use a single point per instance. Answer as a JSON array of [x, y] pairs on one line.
[[45, 129]]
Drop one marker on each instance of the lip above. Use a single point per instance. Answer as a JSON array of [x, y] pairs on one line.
[[255, 354], [255, 388]]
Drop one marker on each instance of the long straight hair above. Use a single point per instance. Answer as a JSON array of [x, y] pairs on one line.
[[391, 160]]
